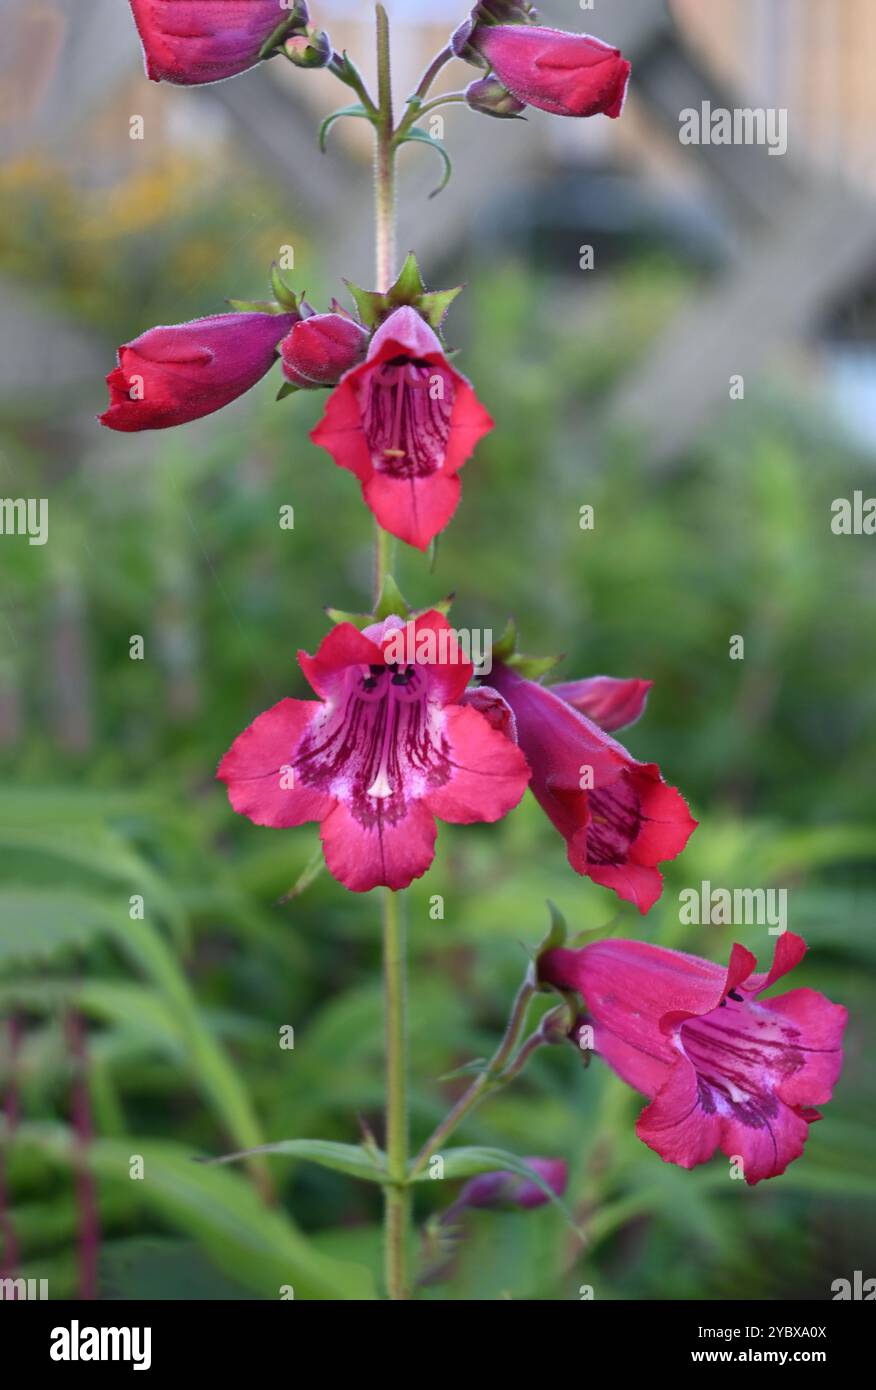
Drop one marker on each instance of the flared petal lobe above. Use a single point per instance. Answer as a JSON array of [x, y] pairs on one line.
[[612, 704], [723, 1067]]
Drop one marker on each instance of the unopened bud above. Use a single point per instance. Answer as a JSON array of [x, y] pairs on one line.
[[310, 50], [491, 98]]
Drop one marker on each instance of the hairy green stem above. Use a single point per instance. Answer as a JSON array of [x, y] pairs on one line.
[[384, 554], [397, 1194], [494, 1074], [385, 162]]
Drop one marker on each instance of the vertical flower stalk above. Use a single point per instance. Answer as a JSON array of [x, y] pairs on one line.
[[397, 1194]]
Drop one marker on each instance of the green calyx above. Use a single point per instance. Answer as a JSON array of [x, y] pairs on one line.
[[391, 603], [295, 23], [285, 300], [531, 667], [409, 289]]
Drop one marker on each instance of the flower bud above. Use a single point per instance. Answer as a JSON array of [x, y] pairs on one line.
[[491, 98], [310, 50], [321, 349], [565, 74], [512, 1189], [169, 376], [485, 14]]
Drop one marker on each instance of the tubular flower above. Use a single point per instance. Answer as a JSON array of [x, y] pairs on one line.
[[190, 42], [723, 1067], [169, 376], [386, 749], [565, 74], [618, 816], [404, 422]]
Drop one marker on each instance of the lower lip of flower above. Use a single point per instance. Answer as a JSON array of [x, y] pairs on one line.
[[378, 747], [406, 421]]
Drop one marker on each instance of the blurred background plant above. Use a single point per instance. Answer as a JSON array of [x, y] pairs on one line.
[[713, 518]]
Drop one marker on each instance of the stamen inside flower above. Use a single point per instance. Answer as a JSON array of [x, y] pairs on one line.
[[407, 410], [740, 1056]]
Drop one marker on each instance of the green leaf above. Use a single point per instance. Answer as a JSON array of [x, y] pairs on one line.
[[356, 110], [420, 137], [287, 389], [255, 1244], [99, 850], [475, 1068], [37, 924], [354, 1160], [309, 874]]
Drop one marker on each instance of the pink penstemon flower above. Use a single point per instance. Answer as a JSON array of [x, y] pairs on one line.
[[404, 423], [377, 758], [723, 1067]]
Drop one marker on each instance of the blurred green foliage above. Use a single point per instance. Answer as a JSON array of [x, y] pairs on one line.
[[109, 793]]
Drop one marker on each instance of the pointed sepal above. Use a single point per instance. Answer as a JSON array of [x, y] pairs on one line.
[[289, 301], [392, 602], [295, 22], [531, 667], [256, 306], [409, 289]]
